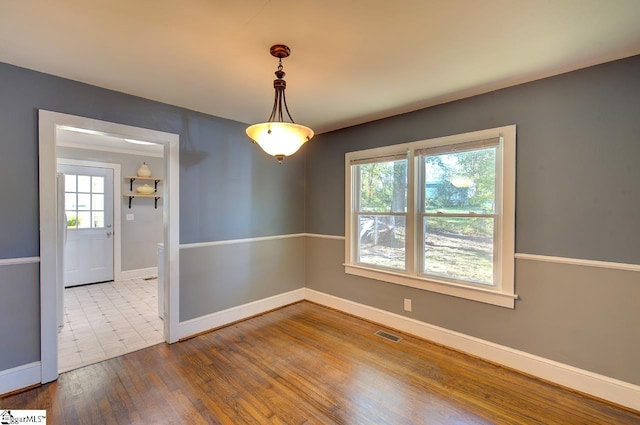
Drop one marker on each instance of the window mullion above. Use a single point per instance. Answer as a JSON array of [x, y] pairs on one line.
[[385, 214], [410, 244], [355, 205], [463, 215], [418, 208]]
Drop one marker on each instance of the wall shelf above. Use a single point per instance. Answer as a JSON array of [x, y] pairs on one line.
[[139, 195], [132, 195], [131, 179]]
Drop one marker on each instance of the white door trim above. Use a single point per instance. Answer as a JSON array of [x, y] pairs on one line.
[[117, 196], [47, 124]]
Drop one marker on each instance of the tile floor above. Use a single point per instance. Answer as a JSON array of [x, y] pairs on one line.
[[106, 320]]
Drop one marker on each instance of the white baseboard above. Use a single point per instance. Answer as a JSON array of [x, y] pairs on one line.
[[601, 386], [19, 377], [137, 274], [224, 317]]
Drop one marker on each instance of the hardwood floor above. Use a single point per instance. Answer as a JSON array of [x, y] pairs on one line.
[[305, 364]]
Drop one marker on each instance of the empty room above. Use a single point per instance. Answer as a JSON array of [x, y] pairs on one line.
[[320, 212]]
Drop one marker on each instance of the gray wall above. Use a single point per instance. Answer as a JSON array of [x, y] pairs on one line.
[[214, 278], [582, 316], [140, 237], [229, 189], [578, 147], [20, 326], [577, 196]]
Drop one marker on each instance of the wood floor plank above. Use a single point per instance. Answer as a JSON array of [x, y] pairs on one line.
[[306, 364]]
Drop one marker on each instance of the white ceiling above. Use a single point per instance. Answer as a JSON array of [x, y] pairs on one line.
[[352, 60]]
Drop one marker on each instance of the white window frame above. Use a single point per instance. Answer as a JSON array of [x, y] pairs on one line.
[[503, 292]]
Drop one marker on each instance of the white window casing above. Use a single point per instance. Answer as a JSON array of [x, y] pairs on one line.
[[501, 291]]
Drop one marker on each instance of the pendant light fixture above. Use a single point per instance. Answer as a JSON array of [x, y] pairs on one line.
[[277, 137]]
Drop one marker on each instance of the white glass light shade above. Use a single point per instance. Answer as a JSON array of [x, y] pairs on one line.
[[280, 139]]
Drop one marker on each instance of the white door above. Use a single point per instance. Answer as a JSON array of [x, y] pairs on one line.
[[88, 205]]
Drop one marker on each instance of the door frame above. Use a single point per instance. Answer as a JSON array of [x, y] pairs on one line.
[[48, 123], [117, 195]]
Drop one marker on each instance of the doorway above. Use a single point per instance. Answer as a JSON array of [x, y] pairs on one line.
[[49, 123], [86, 204], [103, 311]]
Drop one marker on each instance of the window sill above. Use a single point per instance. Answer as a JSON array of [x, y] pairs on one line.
[[488, 296]]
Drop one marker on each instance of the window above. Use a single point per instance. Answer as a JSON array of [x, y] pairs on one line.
[[381, 212], [84, 201], [436, 214]]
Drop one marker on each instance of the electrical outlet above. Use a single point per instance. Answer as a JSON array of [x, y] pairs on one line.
[[129, 217], [407, 304]]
